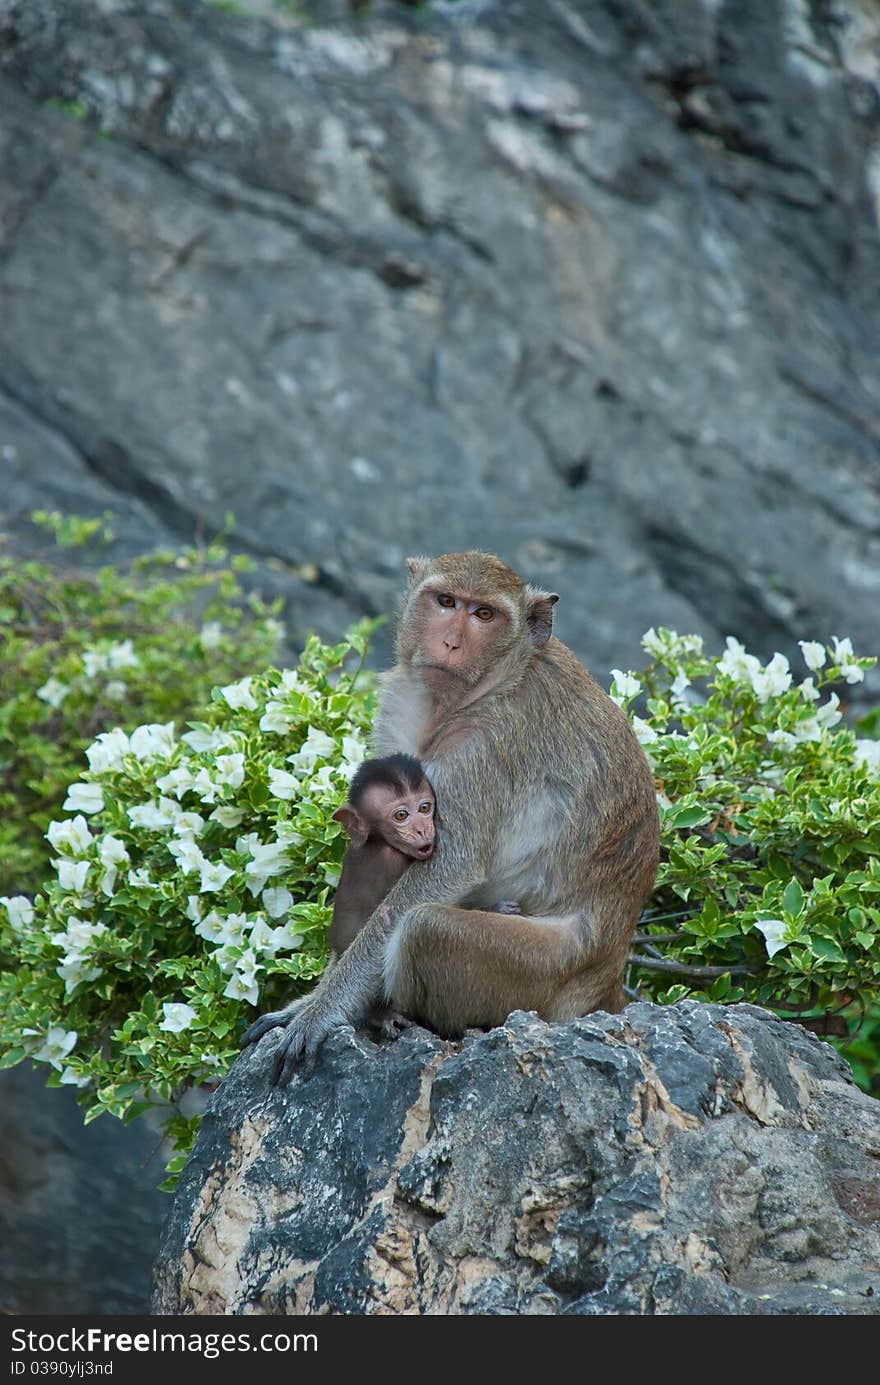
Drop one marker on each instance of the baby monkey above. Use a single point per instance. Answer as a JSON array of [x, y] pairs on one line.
[[390, 819]]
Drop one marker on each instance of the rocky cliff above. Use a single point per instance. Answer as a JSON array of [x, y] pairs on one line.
[[593, 284], [681, 1160]]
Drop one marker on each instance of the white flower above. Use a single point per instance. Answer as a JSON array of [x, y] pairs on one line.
[[645, 733], [140, 879], [324, 779], [212, 928], [737, 663], [651, 642], [773, 930], [148, 815], [239, 695], [317, 746], [277, 901], [843, 655], [210, 634], [193, 909], [114, 691], [248, 965], [84, 798], [111, 851], [227, 817], [772, 680], [290, 681], [58, 1044], [282, 784], [122, 655], [187, 855], [625, 685], [94, 662], [53, 691], [828, 714], [230, 770], [813, 652], [238, 988], [214, 876], [177, 781], [19, 910], [678, 686], [262, 938], [74, 972], [188, 825], [273, 628], [276, 718], [73, 833], [225, 959], [78, 937], [72, 874], [288, 937], [71, 1079], [107, 750], [205, 787], [153, 739], [176, 1016], [808, 690], [808, 729], [204, 742], [353, 751], [783, 738], [266, 861], [867, 753], [108, 881]]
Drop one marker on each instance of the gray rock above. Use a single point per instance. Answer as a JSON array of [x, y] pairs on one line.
[[79, 1207], [670, 1160], [593, 285]]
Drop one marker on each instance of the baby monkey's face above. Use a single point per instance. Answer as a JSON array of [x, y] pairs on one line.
[[404, 821]]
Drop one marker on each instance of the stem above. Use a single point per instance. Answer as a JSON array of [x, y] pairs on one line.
[[638, 959]]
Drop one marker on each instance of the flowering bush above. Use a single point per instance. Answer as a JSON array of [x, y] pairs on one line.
[[83, 651], [192, 875], [769, 886], [191, 881]]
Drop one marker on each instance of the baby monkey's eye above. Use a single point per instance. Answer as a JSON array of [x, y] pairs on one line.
[[426, 807], [445, 599], [484, 613], [400, 815]]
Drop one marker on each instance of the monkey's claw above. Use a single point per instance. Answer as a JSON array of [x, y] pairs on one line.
[[275, 1019]]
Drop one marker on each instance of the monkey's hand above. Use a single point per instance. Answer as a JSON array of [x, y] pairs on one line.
[[306, 1029], [274, 1019]]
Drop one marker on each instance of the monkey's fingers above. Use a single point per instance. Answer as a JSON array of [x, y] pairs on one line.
[[275, 1019], [393, 1025]]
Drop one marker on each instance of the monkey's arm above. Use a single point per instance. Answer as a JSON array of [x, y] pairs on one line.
[[346, 989]]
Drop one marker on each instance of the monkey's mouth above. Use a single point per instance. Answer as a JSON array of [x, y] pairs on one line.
[[423, 852]]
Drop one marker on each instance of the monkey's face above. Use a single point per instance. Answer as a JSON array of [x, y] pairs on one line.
[[458, 635], [403, 821]]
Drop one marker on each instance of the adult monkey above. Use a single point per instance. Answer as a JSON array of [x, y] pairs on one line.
[[544, 796]]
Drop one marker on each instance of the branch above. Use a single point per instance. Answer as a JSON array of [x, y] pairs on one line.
[[638, 959]]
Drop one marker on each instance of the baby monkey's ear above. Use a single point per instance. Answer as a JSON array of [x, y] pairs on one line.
[[352, 822], [417, 565]]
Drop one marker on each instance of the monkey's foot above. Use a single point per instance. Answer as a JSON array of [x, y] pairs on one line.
[[387, 1024], [275, 1019]]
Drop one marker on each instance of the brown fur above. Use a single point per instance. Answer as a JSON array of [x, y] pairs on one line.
[[544, 796]]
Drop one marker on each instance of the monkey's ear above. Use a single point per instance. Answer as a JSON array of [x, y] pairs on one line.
[[539, 615], [416, 565], [352, 822]]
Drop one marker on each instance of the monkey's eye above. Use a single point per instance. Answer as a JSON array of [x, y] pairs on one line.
[[444, 599], [426, 808], [484, 613], [400, 815]]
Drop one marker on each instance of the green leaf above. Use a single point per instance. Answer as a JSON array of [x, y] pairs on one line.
[[793, 898]]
